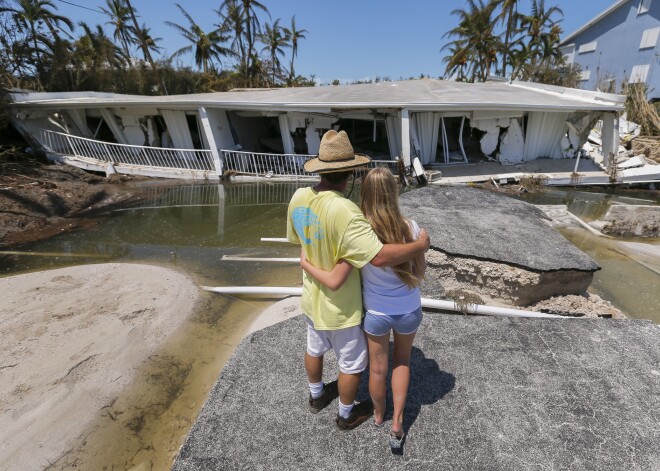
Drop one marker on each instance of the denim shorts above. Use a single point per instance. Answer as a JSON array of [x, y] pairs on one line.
[[404, 324]]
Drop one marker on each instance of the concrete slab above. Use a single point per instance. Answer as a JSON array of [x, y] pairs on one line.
[[485, 225], [553, 171], [486, 393]]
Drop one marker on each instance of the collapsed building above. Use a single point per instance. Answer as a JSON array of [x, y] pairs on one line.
[[271, 132]]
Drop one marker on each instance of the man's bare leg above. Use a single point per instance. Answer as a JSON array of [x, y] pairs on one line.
[[348, 387], [314, 368]]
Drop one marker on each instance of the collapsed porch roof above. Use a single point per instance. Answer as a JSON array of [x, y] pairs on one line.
[[414, 95]]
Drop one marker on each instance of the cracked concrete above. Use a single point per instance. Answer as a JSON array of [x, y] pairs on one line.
[[494, 249], [480, 224], [486, 394]]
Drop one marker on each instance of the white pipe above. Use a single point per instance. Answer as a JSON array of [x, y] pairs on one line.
[[426, 302], [486, 310], [274, 239], [232, 258], [283, 290]]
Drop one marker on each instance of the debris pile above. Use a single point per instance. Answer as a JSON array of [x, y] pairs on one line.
[[649, 146]]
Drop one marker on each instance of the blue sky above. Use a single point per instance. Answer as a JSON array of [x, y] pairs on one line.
[[347, 39]]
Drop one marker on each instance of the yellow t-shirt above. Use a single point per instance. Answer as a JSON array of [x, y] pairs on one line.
[[331, 227]]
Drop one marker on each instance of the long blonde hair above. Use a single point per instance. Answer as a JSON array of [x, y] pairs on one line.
[[380, 205]]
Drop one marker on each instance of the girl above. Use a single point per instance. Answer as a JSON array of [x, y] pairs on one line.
[[391, 297]]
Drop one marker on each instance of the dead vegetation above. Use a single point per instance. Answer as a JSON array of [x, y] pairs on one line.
[[640, 111], [464, 301], [647, 145], [525, 184]]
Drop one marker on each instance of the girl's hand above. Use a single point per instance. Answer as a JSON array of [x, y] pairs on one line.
[[303, 259]]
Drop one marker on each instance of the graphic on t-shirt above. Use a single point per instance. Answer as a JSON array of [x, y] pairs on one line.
[[303, 218]]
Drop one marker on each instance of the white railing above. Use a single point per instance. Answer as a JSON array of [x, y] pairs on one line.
[[273, 165], [257, 163], [393, 165], [185, 159], [260, 193], [251, 163]]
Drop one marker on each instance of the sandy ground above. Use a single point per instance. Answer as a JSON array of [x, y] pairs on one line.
[[71, 339]]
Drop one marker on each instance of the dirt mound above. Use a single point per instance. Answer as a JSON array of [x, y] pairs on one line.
[[584, 305]]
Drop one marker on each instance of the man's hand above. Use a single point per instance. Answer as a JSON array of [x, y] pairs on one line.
[[302, 258], [424, 237]]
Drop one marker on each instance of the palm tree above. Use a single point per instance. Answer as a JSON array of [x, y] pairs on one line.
[[149, 41], [458, 60], [29, 16], [104, 52], [294, 35], [207, 46], [275, 40], [143, 45], [119, 18], [231, 15], [252, 31], [475, 38], [508, 15], [520, 58], [539, 23]]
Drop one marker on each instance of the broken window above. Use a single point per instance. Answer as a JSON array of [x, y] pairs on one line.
[[452, 135], [100, 129], [193, 126], [367, 137]]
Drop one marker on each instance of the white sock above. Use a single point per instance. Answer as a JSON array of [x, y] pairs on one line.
[[345, 411], [316, 389]]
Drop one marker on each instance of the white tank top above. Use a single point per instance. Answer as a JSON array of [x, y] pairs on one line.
[[384, 293]]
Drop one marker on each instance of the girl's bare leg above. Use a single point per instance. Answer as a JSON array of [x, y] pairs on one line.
[[379, 347], [400, 378]]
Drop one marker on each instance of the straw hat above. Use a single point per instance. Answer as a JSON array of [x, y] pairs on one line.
[[335, 155]]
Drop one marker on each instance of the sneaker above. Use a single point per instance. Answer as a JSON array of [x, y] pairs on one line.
[[329, 394], [359, 414], [396, 442]]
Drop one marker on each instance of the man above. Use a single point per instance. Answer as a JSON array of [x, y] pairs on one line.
[[330, 227]]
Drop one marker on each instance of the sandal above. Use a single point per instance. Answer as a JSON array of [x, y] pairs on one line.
[[396, 442]]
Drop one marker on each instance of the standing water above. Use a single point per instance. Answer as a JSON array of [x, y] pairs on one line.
[[190, 228], [629, 285]]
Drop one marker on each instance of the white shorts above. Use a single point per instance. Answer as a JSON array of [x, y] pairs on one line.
[[349, 345]]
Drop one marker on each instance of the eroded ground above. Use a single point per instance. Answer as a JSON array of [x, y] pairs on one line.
[[39, 200]]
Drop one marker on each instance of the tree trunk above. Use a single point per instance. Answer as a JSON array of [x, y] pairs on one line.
[[143, 44]]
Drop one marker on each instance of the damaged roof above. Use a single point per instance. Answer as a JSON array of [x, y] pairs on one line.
[[414, 95]]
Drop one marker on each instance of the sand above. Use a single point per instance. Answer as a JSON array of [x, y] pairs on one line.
[[71, 339]]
